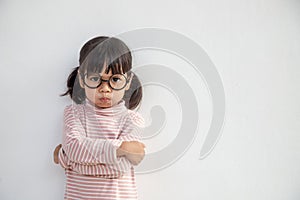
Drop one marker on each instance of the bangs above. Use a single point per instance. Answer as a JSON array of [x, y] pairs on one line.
[[112, 54]]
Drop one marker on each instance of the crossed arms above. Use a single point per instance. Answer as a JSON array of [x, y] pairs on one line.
[[108, 158]]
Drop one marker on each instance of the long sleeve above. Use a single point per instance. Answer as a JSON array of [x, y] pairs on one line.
[[84, 155], [133, 127], [83, 150], [101, 170]]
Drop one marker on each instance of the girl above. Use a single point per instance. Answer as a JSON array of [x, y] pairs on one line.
[[101, 137]]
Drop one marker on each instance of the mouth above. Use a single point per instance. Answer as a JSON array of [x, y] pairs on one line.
[[105, 99]]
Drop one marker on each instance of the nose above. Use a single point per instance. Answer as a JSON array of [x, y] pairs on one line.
[[104, 87]]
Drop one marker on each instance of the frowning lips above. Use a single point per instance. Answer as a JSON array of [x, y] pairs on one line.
[[105, 99]]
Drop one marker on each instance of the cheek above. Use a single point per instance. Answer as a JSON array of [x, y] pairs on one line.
[[118, 95], [89, 92]]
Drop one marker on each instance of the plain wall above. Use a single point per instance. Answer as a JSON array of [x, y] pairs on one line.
[[254, 45]]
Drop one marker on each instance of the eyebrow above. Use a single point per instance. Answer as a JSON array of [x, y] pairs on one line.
[[107, 76]]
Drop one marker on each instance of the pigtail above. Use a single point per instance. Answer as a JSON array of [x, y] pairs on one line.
[[74, 89], [133, 95]]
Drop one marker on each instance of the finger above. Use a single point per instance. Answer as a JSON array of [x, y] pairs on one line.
[[56, 161], [143, 145], [58, 147], [55, 153]]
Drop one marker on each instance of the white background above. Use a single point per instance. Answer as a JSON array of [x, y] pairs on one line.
[[255, 46]]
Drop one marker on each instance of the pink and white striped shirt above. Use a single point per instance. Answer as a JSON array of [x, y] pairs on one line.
[[91, 137]]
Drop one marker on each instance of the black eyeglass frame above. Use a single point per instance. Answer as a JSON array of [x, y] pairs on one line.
[[102, 80]]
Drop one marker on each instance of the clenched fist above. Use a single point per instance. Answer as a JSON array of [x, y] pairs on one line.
[[134, 151]]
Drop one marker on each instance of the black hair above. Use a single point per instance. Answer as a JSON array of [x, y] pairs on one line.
[[113, 52]]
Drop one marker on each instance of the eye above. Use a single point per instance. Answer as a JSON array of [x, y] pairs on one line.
[[94, 78], [116, 79]]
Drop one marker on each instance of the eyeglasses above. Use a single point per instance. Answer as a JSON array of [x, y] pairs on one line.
[[115, 82]]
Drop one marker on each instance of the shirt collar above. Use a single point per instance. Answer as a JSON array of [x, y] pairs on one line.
[[111, 111]]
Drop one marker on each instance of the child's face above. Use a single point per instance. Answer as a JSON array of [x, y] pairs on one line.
[[104, 96]]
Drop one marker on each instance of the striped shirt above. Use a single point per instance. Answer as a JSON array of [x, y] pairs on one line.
[[91, 137]]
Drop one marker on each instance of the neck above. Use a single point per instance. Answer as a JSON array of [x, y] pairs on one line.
[[109, 111]]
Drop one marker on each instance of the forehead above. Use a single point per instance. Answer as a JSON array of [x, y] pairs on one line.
[[105, 72], [105, 65]]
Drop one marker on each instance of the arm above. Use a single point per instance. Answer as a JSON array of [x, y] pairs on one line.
[[132, 148], [100, 170], [76, 144], [83, 150]]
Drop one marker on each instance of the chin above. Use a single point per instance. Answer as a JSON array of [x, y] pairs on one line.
[[103, 105]]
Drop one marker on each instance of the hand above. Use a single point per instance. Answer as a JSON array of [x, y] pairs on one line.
[[132, 147], [135, 159], [55, 154], [132, 150]]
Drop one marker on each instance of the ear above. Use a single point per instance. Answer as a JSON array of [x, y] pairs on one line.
[[129, 82], [80, 80]]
